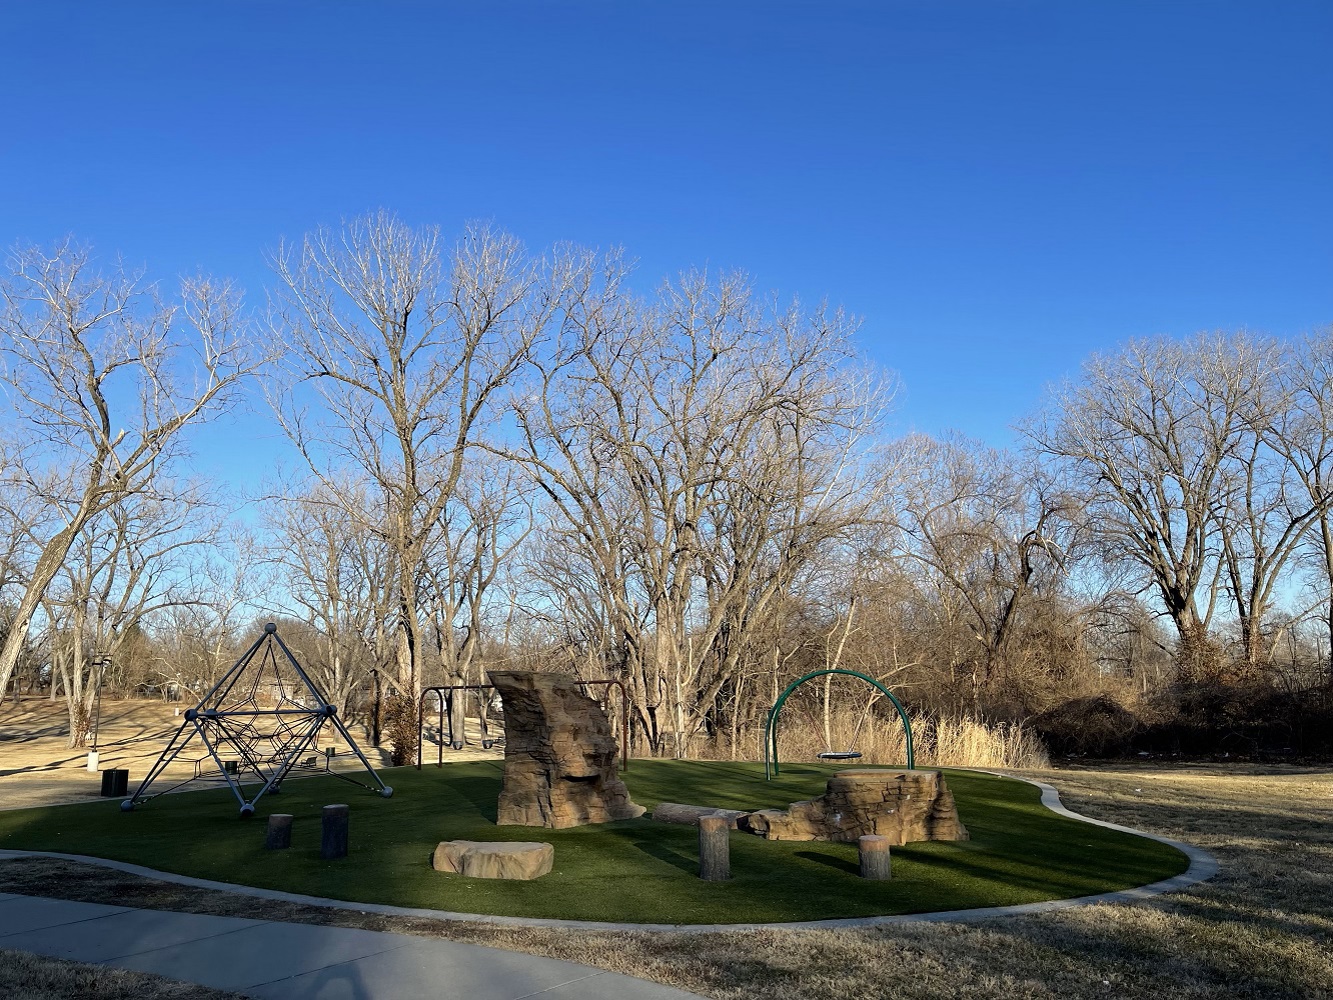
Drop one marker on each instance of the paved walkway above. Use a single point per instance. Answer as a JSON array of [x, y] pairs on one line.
[[271, 959]]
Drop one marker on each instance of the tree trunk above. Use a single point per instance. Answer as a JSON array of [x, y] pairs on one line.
[[409, 679], [1198, 657], [48, 564]]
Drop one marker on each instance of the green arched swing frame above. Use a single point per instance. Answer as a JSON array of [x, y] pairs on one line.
[[771, 727]]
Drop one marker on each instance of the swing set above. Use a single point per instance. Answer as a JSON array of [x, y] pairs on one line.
[[771, 726]]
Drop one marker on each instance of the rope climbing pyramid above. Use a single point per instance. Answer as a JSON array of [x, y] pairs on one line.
[[260, 722]]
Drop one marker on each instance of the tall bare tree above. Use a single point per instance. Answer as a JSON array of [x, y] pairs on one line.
[[1147, 436], [1300, 432], [198, 638], [698, 448], [22, 521], [404, 344], [480, 533], [1272, 486], [103, 376], [985, 531], [124, 568], [340, 576]]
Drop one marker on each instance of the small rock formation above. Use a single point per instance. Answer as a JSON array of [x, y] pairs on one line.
[[901, 805], [678, 812], [479, 859], [560, 757]]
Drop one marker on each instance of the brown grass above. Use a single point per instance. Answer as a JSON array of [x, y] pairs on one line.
[[1262, 929], [38, 768], [938, 742], [32, 977]]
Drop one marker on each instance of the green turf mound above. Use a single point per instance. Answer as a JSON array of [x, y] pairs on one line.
[[635, 870]]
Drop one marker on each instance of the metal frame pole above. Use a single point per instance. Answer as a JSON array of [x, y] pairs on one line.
[[102, 661], [771, 725]]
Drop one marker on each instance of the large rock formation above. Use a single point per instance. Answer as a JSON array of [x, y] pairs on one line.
[[481, 859], [560, 757], [901, 805]]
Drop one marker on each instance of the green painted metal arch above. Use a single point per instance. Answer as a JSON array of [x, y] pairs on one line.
[[771, 726]]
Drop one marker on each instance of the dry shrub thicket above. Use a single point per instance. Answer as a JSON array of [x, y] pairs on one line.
[[937, 741], [968, 743], [400, 730]]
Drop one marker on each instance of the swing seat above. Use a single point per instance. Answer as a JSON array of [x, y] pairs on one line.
[[840, 755]]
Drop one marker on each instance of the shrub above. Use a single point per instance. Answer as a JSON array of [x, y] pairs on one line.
[[938, 741], [1095, 727], [400, 730]]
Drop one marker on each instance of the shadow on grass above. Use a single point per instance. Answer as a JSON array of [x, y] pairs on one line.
[[663, 852], [841, 864], [478, 790]]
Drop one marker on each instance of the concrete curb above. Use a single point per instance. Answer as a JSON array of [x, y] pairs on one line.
[[1203, 866]]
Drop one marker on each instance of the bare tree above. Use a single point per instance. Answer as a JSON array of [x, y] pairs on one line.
[[1204, 463], [1300, 431], [104, 376], [1274, 496], [984, 529], [1146, 437], [339, 574], [21, 522], [17, 519], [199, 637], [698, 448], [480, 532], [404, 344], [578, 595], [123, 569]]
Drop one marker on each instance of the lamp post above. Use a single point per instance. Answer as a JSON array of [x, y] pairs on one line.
[[375, 708], [101, 661]]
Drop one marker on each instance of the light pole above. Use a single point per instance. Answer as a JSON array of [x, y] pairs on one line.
[[375, 709], [101, 661]]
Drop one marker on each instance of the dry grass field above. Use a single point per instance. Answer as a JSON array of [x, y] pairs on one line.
[[37, 767], [1261, 929], [31, 977]]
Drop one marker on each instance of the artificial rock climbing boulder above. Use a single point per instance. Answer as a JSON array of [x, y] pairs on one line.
[[560, 756], [901, 805]]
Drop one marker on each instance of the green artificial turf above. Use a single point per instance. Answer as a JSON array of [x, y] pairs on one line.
[[635, 870]]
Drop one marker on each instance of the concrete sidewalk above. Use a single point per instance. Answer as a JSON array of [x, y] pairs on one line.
[[271, 959]]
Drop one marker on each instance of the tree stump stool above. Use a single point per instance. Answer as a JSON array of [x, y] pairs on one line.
[[333, 842], [875, 860], [714, 848], [278, 836]]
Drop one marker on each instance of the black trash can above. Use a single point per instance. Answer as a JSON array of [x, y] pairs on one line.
[[115, 782]]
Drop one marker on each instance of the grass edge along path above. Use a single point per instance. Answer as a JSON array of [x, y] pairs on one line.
[[24, 976], [634, 871]]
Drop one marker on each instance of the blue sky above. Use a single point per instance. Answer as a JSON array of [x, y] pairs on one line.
[[998, 188]]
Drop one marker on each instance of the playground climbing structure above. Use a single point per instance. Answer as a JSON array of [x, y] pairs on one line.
[[256, 726]]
